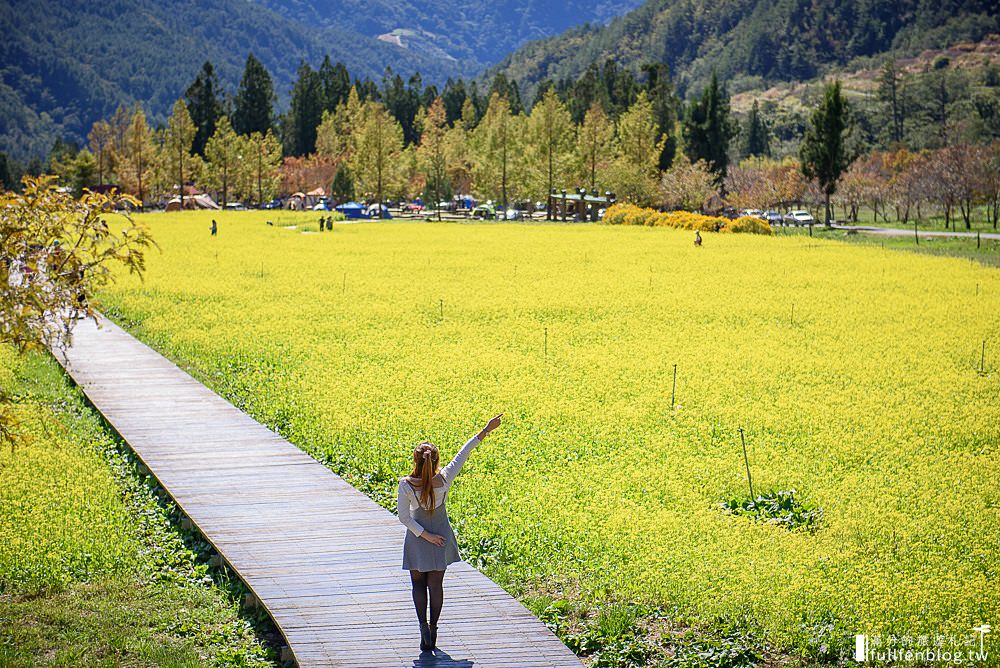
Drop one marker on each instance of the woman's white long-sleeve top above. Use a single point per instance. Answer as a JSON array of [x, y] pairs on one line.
[[406, 498]]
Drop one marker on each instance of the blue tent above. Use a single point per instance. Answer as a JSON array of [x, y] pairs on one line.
[[352, 210]]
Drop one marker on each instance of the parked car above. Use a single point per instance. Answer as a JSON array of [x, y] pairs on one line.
[[751, 213], [273, 204], [773, 217], [799, 217]]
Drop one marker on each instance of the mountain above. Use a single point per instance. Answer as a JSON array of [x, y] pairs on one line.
[[749, 42], [65, 64], [472, 34]]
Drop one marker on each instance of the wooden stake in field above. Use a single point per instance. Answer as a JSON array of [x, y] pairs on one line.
[[793, 313], [746, 460], [442, 309], [916, 237], [982, 360], [673, 390], [545, 344]]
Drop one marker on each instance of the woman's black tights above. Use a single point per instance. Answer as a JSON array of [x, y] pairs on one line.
[[433, 582]]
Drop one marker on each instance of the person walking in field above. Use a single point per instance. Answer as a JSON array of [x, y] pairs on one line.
[[430, 543], [697, 238], [214, 228]]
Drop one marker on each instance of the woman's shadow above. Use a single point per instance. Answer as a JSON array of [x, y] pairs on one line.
[[440, 659]]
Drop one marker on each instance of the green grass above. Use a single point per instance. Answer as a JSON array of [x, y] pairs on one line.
[[985, 251], [93, 571], [931, 219]]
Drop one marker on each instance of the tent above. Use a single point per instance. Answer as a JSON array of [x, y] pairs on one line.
[[193, 202], [372, 211], [352, 210]]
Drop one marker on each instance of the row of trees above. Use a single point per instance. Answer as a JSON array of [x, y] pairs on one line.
[[897, 186], [148, 164]]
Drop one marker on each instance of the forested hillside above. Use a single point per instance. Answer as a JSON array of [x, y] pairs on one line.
[[474, 33], [751, 41], [64, 65]]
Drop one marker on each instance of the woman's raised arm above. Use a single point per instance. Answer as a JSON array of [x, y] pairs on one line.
[[455, 465]]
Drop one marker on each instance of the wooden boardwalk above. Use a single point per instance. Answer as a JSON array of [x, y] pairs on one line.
[[322, 558]]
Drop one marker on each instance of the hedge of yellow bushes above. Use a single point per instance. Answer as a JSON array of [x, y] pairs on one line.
[[629, 214]]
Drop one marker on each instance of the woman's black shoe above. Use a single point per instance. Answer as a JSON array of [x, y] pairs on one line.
[[425, 637], [434, 635]]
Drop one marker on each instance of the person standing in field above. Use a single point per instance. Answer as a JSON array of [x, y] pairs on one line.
[[697, 238], [430, 543], [215, 228]]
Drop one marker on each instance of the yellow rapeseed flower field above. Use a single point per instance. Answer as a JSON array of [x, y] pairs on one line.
[[854, 372]]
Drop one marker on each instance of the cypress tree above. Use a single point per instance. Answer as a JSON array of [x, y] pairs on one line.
[[336, 83], [756, 141], [6, 173], [204, 105], [254, 105], [453, 97], [661, 94], [305, 111], [708, 128], [824, 152]]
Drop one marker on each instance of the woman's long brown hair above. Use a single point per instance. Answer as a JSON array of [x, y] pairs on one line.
[[424, 469]]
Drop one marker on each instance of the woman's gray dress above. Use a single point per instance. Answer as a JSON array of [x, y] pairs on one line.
[[423, 555]]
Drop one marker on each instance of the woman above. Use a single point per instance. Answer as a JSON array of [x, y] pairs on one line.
[[430, 543]]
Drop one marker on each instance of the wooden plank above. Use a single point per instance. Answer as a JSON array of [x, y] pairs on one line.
[[322, 558]]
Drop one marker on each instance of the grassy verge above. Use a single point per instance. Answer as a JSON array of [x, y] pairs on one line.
[[93, 570], [986, 251]]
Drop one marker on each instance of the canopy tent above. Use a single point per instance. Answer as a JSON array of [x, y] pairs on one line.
[[318, 192], [352, 210], [193, 202]]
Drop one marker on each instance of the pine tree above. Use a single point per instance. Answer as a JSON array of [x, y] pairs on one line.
[[824, 153], [6, 173], [891, 97], [454, 97], [507, 89], [204, 103], [756, 135], [342, 188], [708, 128], [253, 108], [661, 94], [304, 112], [335, 82]]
